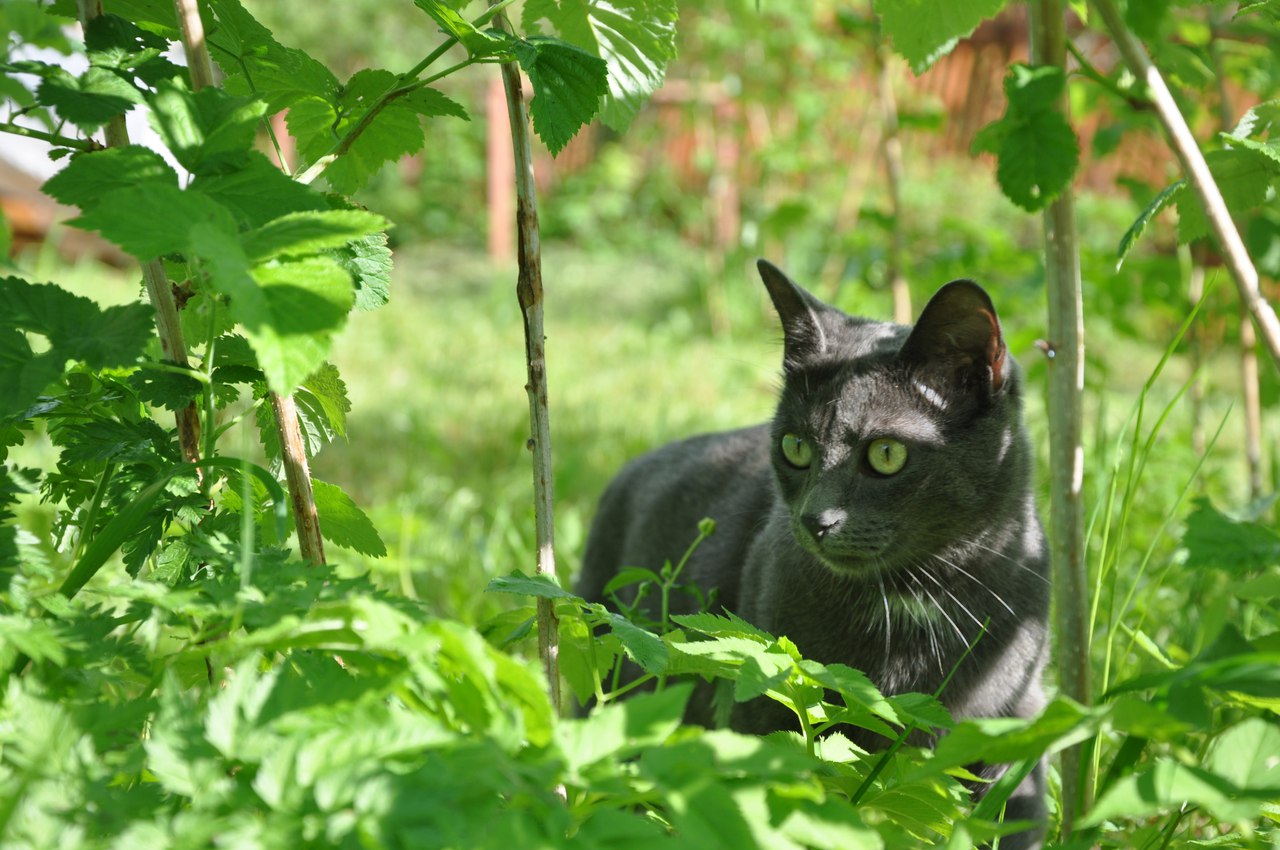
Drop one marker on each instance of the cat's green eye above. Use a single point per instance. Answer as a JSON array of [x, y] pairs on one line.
[[886, 456], [797, 451]]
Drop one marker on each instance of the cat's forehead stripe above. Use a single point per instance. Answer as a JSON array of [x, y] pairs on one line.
[[929, 394]]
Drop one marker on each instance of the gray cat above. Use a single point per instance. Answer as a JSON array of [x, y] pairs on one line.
[[883, 517]]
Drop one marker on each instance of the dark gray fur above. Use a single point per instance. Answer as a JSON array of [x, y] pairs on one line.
[[890, 575]]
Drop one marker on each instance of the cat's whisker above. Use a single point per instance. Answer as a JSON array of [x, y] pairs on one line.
[[884, 595], [1020, 565], [953, 565]]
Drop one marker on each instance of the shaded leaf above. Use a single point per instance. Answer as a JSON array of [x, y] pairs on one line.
[[1216, 541], [89, 177]]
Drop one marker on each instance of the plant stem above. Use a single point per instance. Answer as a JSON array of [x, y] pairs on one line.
[[1197, 171], [891, 152], [292, 449], [51, 138], [529, 293], [1066, 424]]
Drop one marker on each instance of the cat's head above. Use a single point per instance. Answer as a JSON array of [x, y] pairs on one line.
[[896, 445]]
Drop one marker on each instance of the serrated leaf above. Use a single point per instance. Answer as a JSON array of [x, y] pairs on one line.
[[89, 100], [256, 64], [1036, 149], [302, 233], [567, 83], [1158, 204], [164, 389], [343, 523], [89, 177], [430, 102], [206, 130], [1244, 177], [923, 31], [171, 215], [322, 406], [368, 261], [257, 192], [635, 38]]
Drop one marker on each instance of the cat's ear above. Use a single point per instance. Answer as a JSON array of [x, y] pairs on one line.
[[804, 336], [957, 340]]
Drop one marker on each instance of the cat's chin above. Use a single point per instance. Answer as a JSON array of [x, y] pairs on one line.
[[846, 564]]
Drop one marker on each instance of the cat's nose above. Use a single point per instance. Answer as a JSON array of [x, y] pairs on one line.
[[822, 524]]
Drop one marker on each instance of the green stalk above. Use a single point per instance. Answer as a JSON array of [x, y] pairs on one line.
[[51, 138], [1066, 452]]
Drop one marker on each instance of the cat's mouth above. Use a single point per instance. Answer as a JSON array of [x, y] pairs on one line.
[[848, 554]]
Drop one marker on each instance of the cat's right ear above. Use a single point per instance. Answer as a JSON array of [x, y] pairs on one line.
[[804, 336]]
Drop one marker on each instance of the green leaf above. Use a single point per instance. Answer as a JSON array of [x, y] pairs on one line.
[[642, 646], [206, 130], [257, 192], [171, 216], [368, 261], [1166, 785], [1243, 176], [1166, 197], [1036, 149], [322, 406], [618, 731], [430, 103], [923, 31], [1248, 755], [567, 83], [310, 232], [343, 523], [635, 38], [539, 586], [164, 389], [89, 177], [90, 100], [1215, 541], [289, 310], [256, 64], [318, 123]]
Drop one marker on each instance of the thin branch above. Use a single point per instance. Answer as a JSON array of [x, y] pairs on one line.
[[292, 448], [1197, 171], [51, 138], [529, 293], [1066, 426]]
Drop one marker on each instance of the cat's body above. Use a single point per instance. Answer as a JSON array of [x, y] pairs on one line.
[[880, 521]]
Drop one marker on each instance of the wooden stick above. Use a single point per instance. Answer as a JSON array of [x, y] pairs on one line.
[[293, 452], [529, 293]]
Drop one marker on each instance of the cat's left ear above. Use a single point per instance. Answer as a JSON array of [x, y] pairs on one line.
[[957, 339], [804, 336]]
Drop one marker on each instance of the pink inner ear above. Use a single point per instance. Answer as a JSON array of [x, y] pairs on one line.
[[995, 351]]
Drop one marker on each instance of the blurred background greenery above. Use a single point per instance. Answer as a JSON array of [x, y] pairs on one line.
[[765, 142]]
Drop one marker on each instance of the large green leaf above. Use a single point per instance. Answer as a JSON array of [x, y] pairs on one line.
[[89, 100], [1036, 149], [923, 31], [302, 233], [256, 191], [635, 38], [89, 177], [567, 83], [171, 216]]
